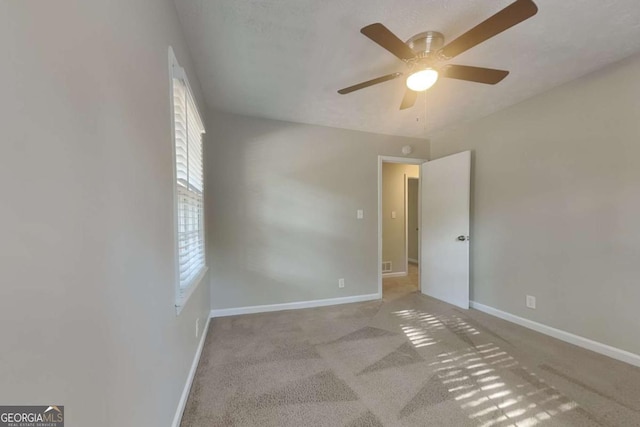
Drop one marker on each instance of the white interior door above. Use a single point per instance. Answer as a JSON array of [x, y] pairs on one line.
[[444, 228]]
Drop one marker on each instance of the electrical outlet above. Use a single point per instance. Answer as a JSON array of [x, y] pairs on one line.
[[197, 327], [360, 214], [341, 283], [531, 302]]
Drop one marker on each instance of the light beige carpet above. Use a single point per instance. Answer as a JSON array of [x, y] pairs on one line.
[[408, 361]]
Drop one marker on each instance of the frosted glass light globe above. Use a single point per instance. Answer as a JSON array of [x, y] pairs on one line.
[[422, 80]]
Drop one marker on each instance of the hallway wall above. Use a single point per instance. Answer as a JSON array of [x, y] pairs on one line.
[[413, 221], [394, 242]]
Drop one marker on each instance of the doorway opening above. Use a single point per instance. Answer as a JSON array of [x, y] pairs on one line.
[[399, 217], [444, 188]]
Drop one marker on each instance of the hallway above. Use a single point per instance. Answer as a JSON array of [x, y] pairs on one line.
[[395, 287]]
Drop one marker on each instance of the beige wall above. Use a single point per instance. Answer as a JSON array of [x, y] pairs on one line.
[[281, 210], [87, 317], [556, 202], [394, 242]]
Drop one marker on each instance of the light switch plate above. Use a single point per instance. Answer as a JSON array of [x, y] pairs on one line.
[[360, 214], [393, 214]]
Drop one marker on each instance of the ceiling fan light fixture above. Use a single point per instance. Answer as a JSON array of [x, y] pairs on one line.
[[427, 49], [422, 80]]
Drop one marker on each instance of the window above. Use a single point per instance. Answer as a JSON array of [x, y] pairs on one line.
[[189, 198]]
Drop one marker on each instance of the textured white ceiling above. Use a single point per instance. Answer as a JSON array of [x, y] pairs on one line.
[[285, 59]]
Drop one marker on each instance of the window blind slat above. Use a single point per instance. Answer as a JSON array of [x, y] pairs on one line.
[[189, 184]]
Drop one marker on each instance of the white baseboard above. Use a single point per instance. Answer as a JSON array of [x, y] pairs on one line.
[[598, 347], [396, 274], [413, 261], [192, 373], [223, 312]]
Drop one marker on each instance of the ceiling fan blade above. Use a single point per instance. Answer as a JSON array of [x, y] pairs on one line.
[[385, 38], [369, 83], [474, 74], [503, 20], [409, 99]]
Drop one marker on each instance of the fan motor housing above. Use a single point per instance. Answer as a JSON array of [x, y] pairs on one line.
[[426, 43]]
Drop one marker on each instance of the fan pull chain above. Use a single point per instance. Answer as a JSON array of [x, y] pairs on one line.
[[425, 112]]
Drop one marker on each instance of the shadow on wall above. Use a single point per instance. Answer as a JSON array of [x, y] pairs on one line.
[[298, 212], [282, 211]]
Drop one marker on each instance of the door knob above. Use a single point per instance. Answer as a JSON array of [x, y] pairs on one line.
[[463, 238]]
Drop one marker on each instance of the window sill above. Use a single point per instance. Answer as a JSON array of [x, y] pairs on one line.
[[182, 301]]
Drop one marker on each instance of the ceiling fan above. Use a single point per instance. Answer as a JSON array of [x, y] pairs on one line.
[[425, 53]]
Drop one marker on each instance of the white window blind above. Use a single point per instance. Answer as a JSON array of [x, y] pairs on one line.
[[189, 185]]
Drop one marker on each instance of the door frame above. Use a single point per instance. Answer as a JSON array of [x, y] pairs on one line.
[[391, 159]]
